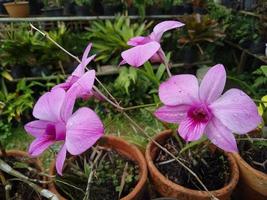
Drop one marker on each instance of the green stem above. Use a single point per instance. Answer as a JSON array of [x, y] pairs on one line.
[[192, 144], [140, 106], [178, 139]]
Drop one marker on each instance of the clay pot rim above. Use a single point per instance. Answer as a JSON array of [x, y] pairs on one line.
[[233, 178], [141, 163], [19, 153], [255, 171], [16, 3], [14, 152]]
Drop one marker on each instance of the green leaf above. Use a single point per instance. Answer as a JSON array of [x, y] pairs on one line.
[[7, 76], [160, 72], [264, 69]]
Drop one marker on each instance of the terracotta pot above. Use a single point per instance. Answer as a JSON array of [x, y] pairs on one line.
[[126, 149], [18, 9], [169, 189], [17, 153], [253, 183], [35, 161]]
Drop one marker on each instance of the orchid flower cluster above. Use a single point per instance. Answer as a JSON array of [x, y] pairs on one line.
[[198, 109], [55, 122]]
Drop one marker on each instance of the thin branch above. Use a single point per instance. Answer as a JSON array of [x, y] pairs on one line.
[[55, 43], [9, 170]]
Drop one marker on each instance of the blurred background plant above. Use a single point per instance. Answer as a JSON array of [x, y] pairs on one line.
[[110, 37]]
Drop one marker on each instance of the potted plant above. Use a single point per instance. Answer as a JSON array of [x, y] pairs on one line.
[[18, 8], [118, 162], [199, 32], [184, 165], [2, 8], [21, 176], [35, 7], [83, 7], [111, 7], [53, 8], [155, 7], [100, 168], [252, 160]]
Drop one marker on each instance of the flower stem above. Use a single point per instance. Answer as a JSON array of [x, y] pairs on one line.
[[139, 106]]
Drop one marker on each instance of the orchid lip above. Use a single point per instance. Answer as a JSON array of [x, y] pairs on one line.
[[200, 113]]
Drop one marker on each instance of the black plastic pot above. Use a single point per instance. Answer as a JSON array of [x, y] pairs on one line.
[[18, 71], [200, 10], [2, 8], [190, 54], [82, 10], [69, 9], [249, 4], [176, 10], [53, 12], [110, 10], [188, 8], [154, 10], [35, 7], [98, 8], [132, 11], [258, 47], [40, 71]]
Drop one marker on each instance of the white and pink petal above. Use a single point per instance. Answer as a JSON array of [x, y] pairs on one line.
[[140, 54], [236, 110], [49, 105], [84, 128], [172, 114], [179, 89], [190, 130], [61, 157], [221, 136]]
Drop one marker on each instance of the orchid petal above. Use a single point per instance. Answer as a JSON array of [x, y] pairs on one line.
[[221, 136], [179, 89], [36, 128], [81, 87], [80, 70], [61, 157], [213, 83], [86, 52], [236, 111], [84, 128], [158, 57], [49, 105], [138, 55], [139, 40], [162, 27], [172, 114], [40, 144], [190, 130]]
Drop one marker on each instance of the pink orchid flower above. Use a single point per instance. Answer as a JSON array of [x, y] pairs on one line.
[[79, 73], [148, 48], [203, 110], [56, 123]]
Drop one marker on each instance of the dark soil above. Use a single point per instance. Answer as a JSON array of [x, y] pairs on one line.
[[211, 166], [255, 154], [107, 177], [19, 190]]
